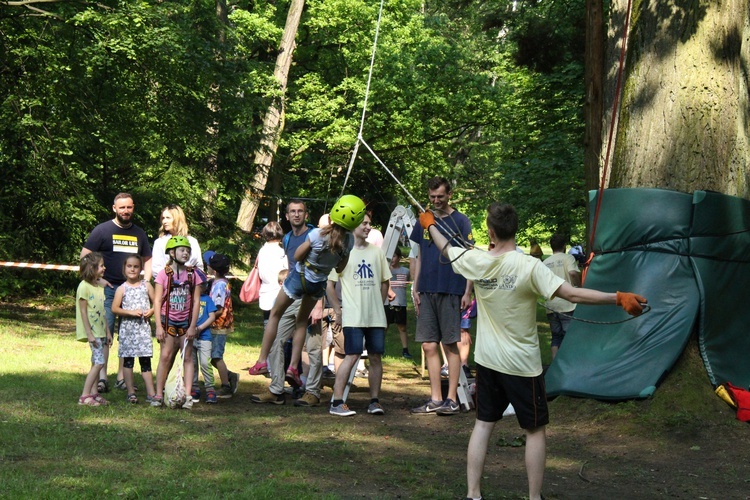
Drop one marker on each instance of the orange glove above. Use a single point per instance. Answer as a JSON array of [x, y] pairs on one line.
[[426, 219], [631, 302]]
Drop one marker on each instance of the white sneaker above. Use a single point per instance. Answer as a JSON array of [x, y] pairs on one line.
[[188, 405]]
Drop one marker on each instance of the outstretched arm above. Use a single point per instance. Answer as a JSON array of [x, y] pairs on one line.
[[631, 302]]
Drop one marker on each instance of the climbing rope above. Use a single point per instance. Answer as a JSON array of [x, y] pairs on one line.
[[615, 117], [367, 96]]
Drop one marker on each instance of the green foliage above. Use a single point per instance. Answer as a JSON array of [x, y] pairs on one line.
[[165, 101]]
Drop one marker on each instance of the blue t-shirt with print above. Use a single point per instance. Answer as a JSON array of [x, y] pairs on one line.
[[207, 307]]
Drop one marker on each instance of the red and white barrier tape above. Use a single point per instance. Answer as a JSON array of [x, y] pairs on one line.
[[31, 265], [65, 267]]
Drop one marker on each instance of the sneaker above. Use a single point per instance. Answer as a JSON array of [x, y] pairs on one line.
[[234, 381], [375, 409], [467, 371], [292, 376], [362, 373], [211, 397], [406, 355], [444, 371], [328, 373], [268, 397], [149, 399], [156, 401], [195, 394], [308, 399], [341, 411], [449, 407], [429, 407], [188, 405], [225, 392]]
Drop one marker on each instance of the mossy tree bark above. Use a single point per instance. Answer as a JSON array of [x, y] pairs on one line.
[[684, 122]]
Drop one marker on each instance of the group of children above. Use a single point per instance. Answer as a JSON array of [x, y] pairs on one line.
[[193, 315]]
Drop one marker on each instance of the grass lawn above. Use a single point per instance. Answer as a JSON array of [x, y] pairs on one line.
[[50, 447]]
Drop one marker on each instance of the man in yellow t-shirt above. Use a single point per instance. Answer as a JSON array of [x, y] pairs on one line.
[[509, 365], [559, 310], [364, 288]]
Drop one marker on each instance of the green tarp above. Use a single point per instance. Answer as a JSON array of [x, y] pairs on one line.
[[687, 255]]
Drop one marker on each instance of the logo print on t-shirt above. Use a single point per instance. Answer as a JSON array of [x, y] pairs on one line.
[[124, 243], [364, 270]]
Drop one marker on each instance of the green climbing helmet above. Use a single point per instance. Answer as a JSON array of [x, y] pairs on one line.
[[176, 241], [348, 212]]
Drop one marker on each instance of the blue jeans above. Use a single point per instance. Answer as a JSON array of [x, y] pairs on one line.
[[295, 287], [109, 297], [372, 338]]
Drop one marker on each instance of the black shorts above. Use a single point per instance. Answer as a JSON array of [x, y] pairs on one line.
[[395, 314], [527, 395]]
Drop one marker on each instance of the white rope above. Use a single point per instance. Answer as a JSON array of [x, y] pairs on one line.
[[408, 194], [360, 139], [367, 96]]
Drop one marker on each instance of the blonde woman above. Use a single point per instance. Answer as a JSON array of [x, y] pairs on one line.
[[173, 223]]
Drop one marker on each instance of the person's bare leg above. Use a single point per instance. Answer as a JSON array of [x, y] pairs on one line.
[[454, 365], [464, 347], [375, 375], [536, 457], [404, 337], [342, 375], [432, 357], [166, 359], [475, 456]]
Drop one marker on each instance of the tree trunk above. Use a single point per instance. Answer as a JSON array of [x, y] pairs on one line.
[[592, 109], [685, 116], [273, 123], [594, 60]]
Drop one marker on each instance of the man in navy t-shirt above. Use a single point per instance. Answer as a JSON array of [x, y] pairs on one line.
[[439, 295]]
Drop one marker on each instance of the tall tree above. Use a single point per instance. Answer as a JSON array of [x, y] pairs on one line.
[[685, 117], [273, 123]]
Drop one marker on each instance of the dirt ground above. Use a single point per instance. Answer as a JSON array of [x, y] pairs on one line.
[[595, 450]]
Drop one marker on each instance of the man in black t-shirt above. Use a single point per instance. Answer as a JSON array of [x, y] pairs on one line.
[[117, 239]]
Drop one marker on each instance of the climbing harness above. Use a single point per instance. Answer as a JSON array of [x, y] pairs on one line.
[[176, 331]]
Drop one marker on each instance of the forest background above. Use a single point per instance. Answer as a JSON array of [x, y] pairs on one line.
[[166, 100]]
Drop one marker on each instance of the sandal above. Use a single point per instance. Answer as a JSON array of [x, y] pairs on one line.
[[99, 399], [120, 384], [292, 376], [88, 401], [102, 385], [132, 398], [258, 368]]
